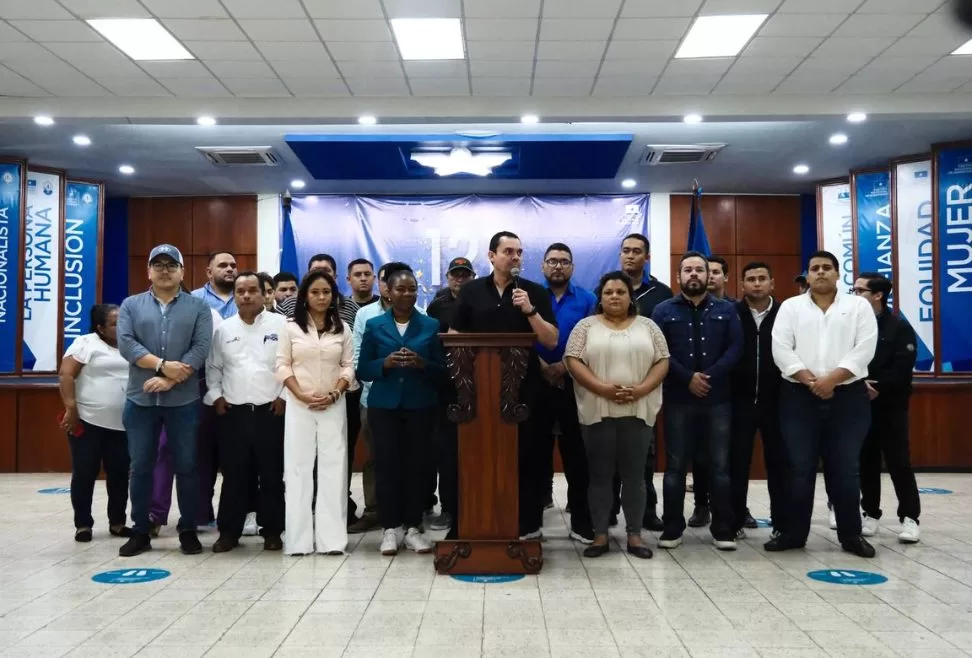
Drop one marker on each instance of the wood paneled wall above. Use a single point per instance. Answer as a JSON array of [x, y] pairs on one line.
[[197, 226], [742, 229]]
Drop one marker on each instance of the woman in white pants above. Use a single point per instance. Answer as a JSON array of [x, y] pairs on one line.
[[315, 361]]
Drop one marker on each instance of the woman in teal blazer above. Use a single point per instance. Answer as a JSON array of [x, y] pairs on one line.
[[402, 356]]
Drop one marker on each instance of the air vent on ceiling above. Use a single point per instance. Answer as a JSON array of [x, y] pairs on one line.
[[670, 154], [240, 156]]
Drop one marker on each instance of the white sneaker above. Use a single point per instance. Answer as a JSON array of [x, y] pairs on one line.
[[740, 534], [530, 536], [869, 526], [910, 533], [833, 520], [391, 540], [250, 526], [417, 542], [725, 544]]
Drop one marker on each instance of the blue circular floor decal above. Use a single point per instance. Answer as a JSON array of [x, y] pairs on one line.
[[55, 490], [933, 490], [847, 577], [129, 576], [764, 523], [488, 579]]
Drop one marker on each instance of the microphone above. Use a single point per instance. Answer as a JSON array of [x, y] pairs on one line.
[[515, 273]]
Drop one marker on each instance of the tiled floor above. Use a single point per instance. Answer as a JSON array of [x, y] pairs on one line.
[[693, 601]]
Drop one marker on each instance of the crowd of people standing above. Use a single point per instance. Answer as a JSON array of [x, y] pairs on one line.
[[271, 381]]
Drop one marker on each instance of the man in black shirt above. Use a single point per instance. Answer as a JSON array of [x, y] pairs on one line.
[[502, 303]]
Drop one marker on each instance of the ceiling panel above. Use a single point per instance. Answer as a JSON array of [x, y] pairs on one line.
[[746, 83], [819, 6], [240, 50], [812, 82], [28, 50], [378, 86], [637, 49], [41, 9], [900, 6], [864, 46], [728, 7], [633, 67], [286, 51], [501, 50], [9, 35], [45, 31], [566, 87], [439, 86], [387, 69], [697, 67], [502, 8], [500, 29], [656, 8], [924, 84], [195, 87], [105, 8], [433, 69], [363, 52], [74, 86], [939, 25], [878, 25], [234, 69], [571, 50], [624, 85], [316, 87], [204, 29], [498, 69], [423, 8], [581, 8], [12, 84], [354, 30], [758, 66], [279, 30], [185, 8], [569, 29], [100, 68], [554, 69], [500, 86], [801, 25], [256, 87], [918, 46], [132, 86], [262, 9], [874, 81], [187, 70], [343, 8], [651, 28], [775, 46], [702, 84]]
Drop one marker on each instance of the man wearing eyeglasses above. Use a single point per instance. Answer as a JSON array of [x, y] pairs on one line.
[[556, 403], [165, 334]]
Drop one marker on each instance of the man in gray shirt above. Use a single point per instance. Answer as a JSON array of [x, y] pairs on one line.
[[165, 334]]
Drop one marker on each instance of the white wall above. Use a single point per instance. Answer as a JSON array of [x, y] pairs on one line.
[[660, 225], [268, 233]]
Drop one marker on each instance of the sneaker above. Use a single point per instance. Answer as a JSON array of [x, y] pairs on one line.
[[120, 530], [189, 542], [700, 517], [391, 540], [749, 521], [613, 520], [775, 534], [740, 534], [724, 544], [368, 521], [441, 521], [859, 547], [250, 525], [870, 526], [669, 540], [137, 545], [536, 535], [832, 519], [584, 536], [417, 542], [910, 533], [548, 504]]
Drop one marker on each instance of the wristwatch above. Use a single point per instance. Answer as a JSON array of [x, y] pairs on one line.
[[158, 368], [532, 312]]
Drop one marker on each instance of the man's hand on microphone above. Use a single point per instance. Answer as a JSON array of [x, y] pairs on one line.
[[521, 300]]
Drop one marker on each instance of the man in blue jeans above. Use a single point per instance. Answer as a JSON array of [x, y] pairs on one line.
[[165, 335], [705, 340]]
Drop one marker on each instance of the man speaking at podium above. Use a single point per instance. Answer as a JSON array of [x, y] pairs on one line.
[[506, 303]]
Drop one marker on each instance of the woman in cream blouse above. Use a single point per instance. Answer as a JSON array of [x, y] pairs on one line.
[[617, 360], [315, 361]]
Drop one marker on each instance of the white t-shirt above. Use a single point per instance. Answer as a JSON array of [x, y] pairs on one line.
[[100, 386]]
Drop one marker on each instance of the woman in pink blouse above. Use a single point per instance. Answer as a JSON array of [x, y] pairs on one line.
[[315, 361]]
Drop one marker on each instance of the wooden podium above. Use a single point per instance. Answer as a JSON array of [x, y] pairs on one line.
[[487, 370]]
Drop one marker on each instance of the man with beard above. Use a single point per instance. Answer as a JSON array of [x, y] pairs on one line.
[[705, 340], [755, 401], [648, 293], [823, 343], [218, 290], [557, 405]]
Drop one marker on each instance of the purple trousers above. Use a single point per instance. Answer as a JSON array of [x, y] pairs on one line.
[[207, 466]]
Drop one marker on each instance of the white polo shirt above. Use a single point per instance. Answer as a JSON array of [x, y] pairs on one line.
[[101, 385], [242, 360]]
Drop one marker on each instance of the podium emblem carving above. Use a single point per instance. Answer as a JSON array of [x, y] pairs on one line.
[[459, 362], [515, 361]]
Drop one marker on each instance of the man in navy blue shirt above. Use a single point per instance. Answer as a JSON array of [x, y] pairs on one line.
[[556, 404], [705, 341]]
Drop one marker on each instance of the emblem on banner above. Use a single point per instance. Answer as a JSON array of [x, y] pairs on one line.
[[632, 214], [86, 198], [48, 189], [8, 178]]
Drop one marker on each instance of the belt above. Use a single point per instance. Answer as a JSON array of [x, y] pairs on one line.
[[251, 407]]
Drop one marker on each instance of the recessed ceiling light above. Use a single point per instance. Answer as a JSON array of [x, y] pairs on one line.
[[142, 39], [429, 38], [628, 183], [856, 117], [82, 140], [367, 120], [297, 184], [128, 170], [801, 169], [838, 138], [692, 118], [43, 120], [719, 36], [529, 118], [206, 120], [964, 49]]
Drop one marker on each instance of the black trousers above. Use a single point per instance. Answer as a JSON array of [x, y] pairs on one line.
[[831, 429], [97, 447], [559, 406], [534, 457], [651, 496], [354, 428], [251, 436], [748, 418], [700, 481], [402, 439], [888, 436], [447, 453]]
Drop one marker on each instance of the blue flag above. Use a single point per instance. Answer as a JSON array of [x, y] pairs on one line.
[[697, 239], [288, 244]]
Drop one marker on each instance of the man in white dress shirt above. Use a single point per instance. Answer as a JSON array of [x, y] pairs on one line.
[[823, 342], [247, 398]]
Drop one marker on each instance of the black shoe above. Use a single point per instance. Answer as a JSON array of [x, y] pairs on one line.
[[670, 539], [136, 545], [613, 520], [641, 552], [120, 530], [781, 543], [224, 544], [82, 535], [583, 535], [749, 521], [700, 517], [859, 547], [189, 542], [567, 508], [272, 542], [597, 550], [652, 522], [548, 504]]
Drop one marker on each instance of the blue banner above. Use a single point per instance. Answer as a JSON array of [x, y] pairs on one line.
[[697, 239], [11, 177], [954, 303], [81, 219], [428, 232], [874, 235]]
